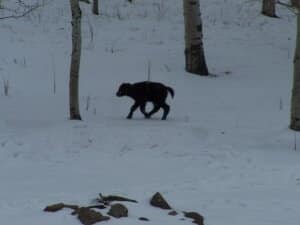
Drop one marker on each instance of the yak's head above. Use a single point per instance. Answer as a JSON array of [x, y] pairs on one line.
[[124, 89]]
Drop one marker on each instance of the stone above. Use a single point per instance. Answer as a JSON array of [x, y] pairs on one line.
[[158, 201], [197, 218], [143, 219], [89, 216], [54, 207], [118, 210], [173, 213]]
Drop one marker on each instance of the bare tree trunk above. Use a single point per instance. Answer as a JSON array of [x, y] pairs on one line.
[[269, 8], [296, 4], [295, 103], [96, 7], [194, 50], [75, 61]]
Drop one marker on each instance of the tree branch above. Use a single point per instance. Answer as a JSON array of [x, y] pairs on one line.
[[86, 1], [28, 11], [110, 198], [285, 4], [290, 7]]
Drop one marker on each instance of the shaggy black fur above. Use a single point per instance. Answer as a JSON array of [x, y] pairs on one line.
[[144, 92]]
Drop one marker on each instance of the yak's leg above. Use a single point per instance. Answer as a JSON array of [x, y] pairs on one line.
[[143, 109], [166, 109], [154, 110], [132, 109]]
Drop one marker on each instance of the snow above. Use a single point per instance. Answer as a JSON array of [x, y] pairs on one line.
[[225, 150]]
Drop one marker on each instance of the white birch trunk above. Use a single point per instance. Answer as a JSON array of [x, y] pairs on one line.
[[194, 50], [295, 102], [269, 8], [75, 61]]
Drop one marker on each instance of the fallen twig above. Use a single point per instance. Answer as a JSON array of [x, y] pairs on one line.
[[110, 198]]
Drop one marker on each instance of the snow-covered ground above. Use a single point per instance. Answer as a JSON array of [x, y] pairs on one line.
[[225, 151]]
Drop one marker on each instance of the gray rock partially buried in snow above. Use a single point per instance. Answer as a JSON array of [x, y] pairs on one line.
[[89, 216], [198, 219], [158, 201], [118, 210]]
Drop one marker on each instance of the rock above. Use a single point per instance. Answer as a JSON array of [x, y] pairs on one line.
[[198, 219], [143, 219], [89, 216], [59, 206], [158, 201], [173, 213], [118, 211], [55, 207]]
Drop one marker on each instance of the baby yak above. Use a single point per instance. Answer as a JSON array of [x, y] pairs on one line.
[[143, 92]]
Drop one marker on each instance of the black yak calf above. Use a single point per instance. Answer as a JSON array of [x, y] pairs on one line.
[[144, 92]]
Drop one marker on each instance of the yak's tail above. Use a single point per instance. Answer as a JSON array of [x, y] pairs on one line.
[[171, 91]]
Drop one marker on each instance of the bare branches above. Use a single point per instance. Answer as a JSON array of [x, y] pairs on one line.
[[23, 9], [86, 1], [27, 9], [110, 198], [284, 4], [292, 7]]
